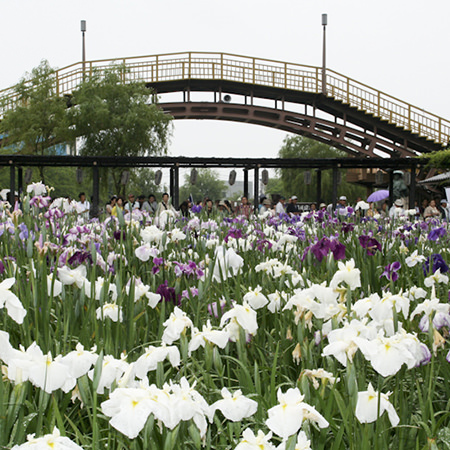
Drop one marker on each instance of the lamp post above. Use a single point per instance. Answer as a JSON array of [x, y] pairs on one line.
[[324, 73], [83, 53]]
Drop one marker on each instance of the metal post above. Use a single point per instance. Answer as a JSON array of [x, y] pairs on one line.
[[319, 187], [83, 45], [20, 180], [256, 188], [171, 182], [246, 182], [324, 73], [391, 187], [412, 188], [12, 185], [176, 187], [335, 187], [95, 191]]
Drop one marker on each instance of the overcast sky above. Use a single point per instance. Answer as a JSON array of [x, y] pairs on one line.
[[397, 46]]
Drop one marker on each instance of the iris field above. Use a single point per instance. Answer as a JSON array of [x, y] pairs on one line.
[[313, 332]]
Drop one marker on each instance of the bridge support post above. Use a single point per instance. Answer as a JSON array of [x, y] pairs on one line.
[[412, 188], [95, 191], [256, 189], [335, 187], [318, 187], [12, 184], [246, 182], [176, 187]]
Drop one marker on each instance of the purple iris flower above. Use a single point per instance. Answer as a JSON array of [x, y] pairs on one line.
[[80, 257], [185, 293], [436, 233], [437, 262], [261, 245], [158, 261], [118, 234], [196, 208], [347, 227], [370, 244], [325, 245], [390, 271], [23, 235], [168, 294], [321, 248], [338, 249], [235, 233]]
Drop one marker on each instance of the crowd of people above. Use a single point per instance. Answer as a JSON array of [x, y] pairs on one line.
[[433, 208]]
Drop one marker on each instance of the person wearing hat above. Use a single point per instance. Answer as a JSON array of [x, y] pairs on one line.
[[341, 207], [431, 211], [266, 204], [396, 210], [292, 207]]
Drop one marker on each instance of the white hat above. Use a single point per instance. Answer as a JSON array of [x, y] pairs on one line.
[[444, 200], [398, 202], [294, 197], [342, 197]]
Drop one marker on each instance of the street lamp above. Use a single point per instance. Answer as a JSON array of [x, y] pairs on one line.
[[83, 55], [324, 74]]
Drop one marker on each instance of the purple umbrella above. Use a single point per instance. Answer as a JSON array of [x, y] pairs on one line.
[[378, 195]]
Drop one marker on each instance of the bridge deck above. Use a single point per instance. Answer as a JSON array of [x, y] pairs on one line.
[[301, 79]]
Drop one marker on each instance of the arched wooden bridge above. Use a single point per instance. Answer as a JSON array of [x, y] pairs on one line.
[[291, 97]]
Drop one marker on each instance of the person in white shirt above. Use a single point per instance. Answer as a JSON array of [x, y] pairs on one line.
[[396, 210], [279, 208], [131, 204], [83, 206]]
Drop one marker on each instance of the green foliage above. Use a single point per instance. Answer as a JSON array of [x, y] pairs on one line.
[[439, 159], [62, 179], [208, 185], [274, 186], [293, 180], [118, 118], [142, 181], [39, 119]]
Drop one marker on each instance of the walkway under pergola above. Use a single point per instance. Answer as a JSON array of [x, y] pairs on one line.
[[174, 163]]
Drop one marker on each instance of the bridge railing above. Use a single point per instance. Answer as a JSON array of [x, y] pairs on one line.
[[256, 71]]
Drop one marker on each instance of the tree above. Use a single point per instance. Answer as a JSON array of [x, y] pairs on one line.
[[37, 120], [142, 182], [293, 180], [207, 184], [115, 117], [439, 159]]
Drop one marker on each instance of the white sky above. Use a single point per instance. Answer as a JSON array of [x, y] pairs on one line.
[[397, 46]]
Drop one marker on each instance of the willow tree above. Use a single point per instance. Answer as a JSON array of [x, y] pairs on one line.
[[116, 117], [35, 122]]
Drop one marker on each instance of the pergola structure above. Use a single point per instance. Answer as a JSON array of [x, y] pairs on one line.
[[18, 162]]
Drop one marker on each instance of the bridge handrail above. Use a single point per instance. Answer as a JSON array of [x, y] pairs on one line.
[[258, 71]]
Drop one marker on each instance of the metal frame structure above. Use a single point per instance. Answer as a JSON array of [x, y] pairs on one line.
[[175, 163]]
